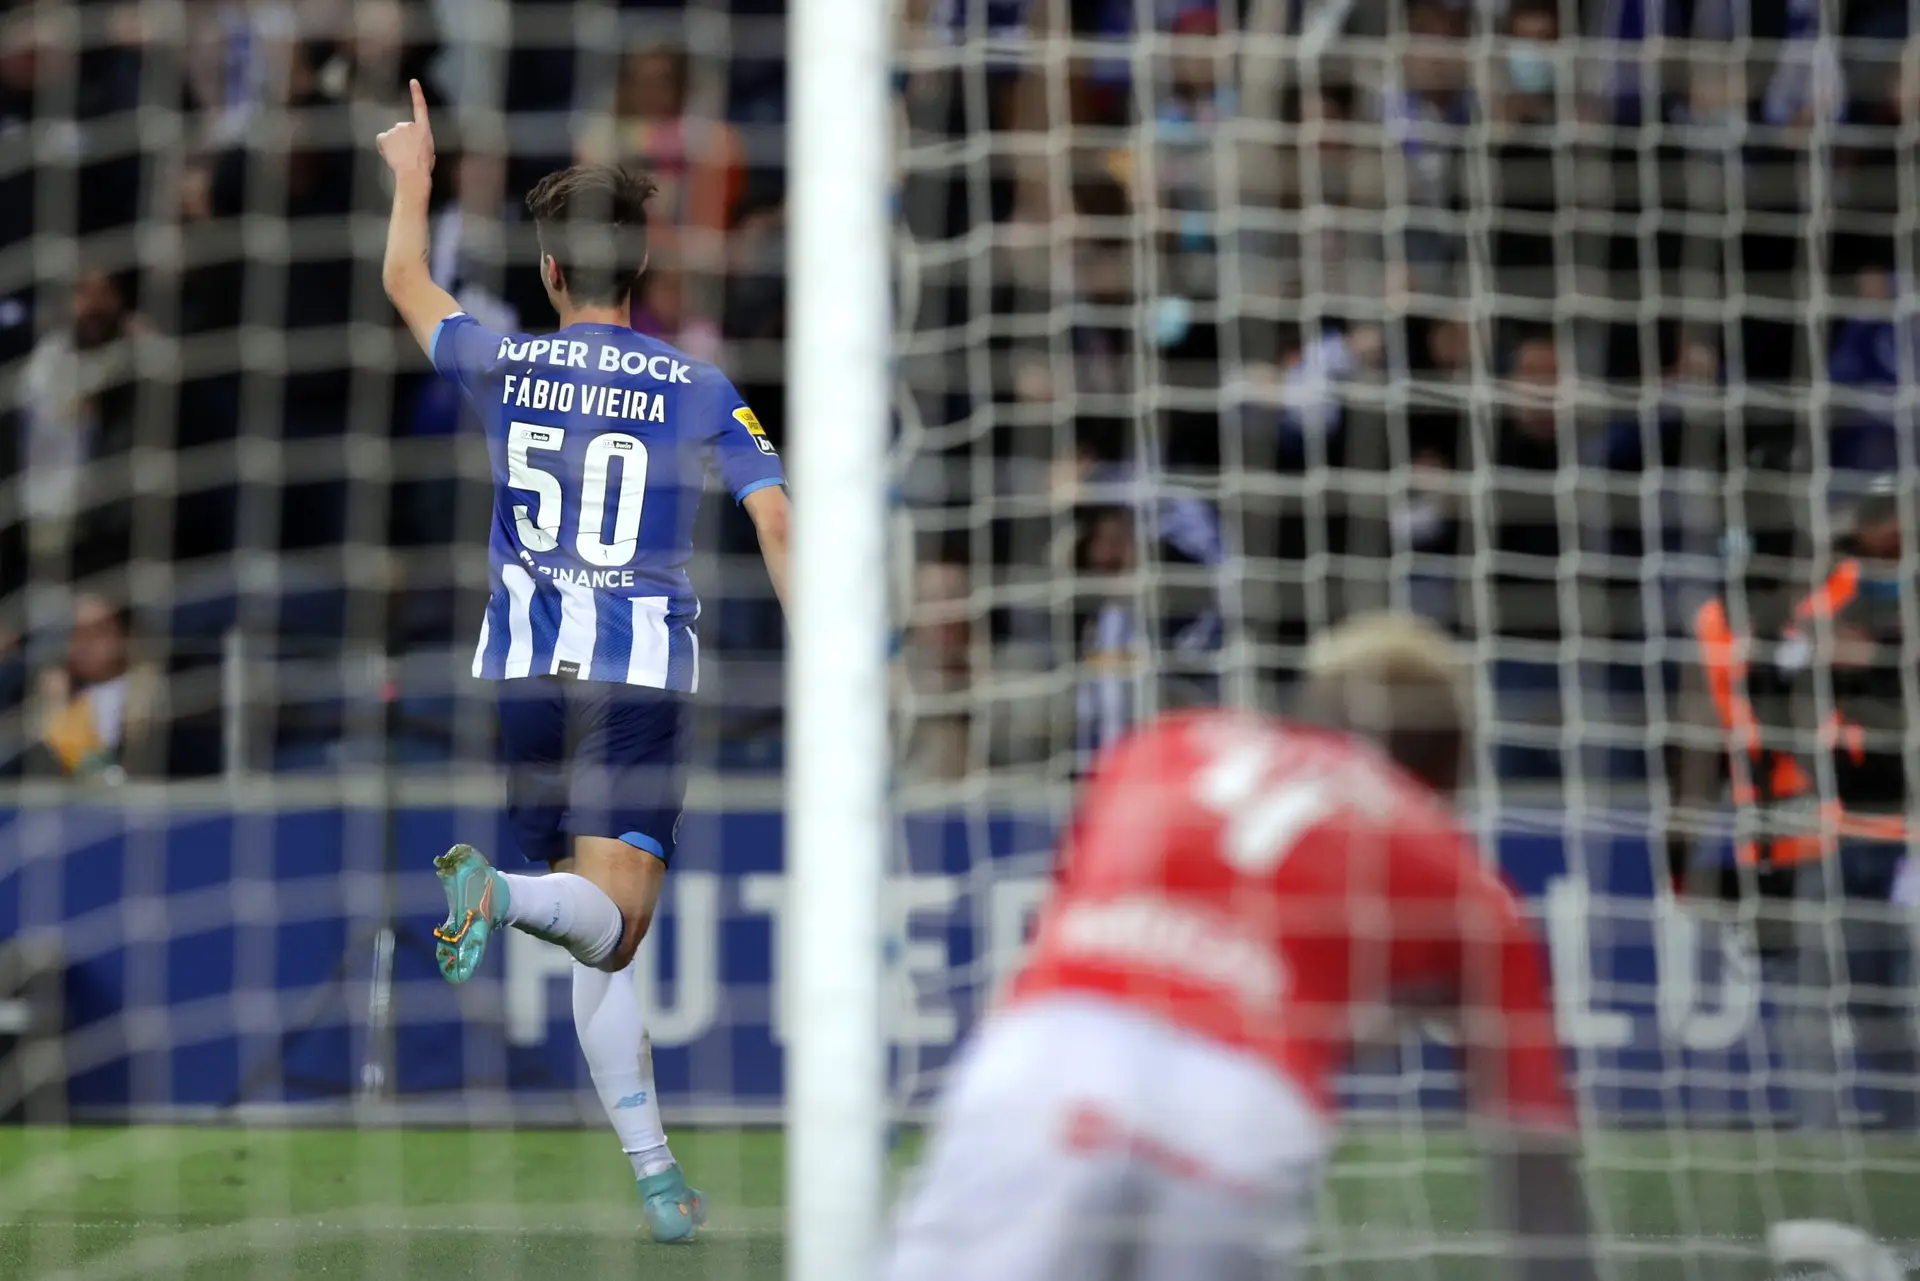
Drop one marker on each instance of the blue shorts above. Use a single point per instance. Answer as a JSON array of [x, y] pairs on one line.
[[592, 758]]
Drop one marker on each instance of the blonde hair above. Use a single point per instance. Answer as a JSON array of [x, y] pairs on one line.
[[1396, 679]]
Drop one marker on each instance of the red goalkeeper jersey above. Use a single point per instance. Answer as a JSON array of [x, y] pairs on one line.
[[1271, 886]]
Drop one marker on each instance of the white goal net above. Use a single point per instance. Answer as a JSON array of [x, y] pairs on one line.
[[1553, 322], [1218, 320]]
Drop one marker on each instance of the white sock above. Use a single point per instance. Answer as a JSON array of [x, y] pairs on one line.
[[606, 1015], [565, 909]]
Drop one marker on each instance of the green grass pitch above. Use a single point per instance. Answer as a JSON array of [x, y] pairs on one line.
[[219, 1204]]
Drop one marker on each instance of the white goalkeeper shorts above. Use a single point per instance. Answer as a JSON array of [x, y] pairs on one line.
[[1081, 1141]]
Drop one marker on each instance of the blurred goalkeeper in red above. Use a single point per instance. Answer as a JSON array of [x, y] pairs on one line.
[[1237, 899]]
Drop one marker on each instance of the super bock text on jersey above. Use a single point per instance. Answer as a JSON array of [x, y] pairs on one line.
[[601, 441]]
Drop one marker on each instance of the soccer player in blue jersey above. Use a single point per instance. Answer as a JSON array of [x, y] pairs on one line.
[[601, 439]]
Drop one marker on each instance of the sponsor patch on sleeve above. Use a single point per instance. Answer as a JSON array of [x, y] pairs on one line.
[[745, 418]]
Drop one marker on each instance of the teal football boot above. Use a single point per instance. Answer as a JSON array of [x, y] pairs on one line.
[[673, 1209], [476, 905]]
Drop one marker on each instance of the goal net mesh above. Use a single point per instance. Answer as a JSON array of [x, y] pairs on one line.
[[1216, 323], [1550, 322]]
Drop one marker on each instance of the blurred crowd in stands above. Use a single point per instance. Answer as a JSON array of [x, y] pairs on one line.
[[1544, 318], [1530, 314]]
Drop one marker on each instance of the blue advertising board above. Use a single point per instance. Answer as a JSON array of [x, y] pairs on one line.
[[222, 957]]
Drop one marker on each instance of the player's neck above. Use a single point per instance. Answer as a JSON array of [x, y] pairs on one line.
[[597, 314]]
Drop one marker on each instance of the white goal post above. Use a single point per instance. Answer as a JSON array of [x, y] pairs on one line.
[[838, 833]]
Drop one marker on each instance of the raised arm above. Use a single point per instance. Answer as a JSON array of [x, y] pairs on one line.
[[408, 150]]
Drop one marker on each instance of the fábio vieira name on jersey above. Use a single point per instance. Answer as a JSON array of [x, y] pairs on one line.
[[627, 403]]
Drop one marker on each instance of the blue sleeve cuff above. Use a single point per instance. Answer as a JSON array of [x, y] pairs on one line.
[[433, 344], [641, 841], [740, 494]]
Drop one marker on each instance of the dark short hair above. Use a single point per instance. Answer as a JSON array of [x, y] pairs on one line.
[[592, 221]]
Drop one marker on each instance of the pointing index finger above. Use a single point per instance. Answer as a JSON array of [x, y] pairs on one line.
[[419, 102]]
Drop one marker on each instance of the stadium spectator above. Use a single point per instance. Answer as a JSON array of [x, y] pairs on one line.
[[1093, 371], [382, 45], [1427, 102], [936, 673], [355, 83], [1877, 75], [935, 103], [1530, 439], [1107, 698], [15, 676], [300, 164], [1847, 657], [1530, 73], [73, 88], [470, 235], [1095, 88], [1526, 168], [1635, 86], [1728, 776], [1438, 354], [1873, 358], [1312, 371], [1808, 83], [238, 57], [1125, 370], [1428, 526], [1435, 352], [1531, 519], [1116, 25], [756, 256], [1179, 171], [695, 158], [76, 400], [755, 321], [1122, 614], [19, 69], [662, 310], [1003, 23], [99, 713], [1332, 186], [1679, 441], [1186, 131]]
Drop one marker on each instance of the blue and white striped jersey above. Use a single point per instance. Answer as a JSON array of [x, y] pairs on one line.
[[601, 440]]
